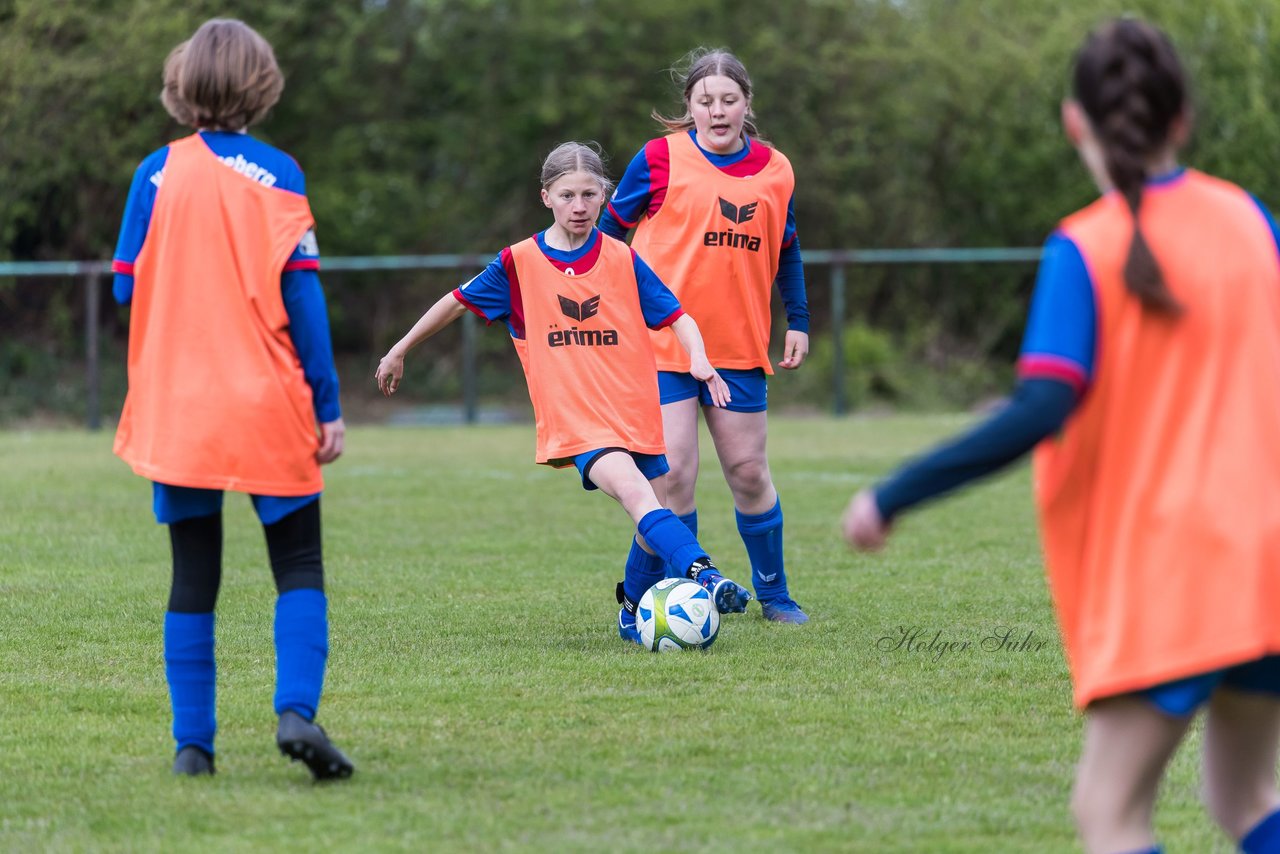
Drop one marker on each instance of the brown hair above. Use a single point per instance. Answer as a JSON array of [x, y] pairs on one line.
[[224, 76], [575, 157], [709, 62], [1131, 85]]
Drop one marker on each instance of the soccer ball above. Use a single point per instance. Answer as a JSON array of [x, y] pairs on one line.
[[677, 613]]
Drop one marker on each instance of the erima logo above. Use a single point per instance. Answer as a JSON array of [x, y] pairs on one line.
[[580, 311], [730, 238], [736, 215]]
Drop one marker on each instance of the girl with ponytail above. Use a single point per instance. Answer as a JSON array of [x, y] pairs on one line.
[[1149, 387]]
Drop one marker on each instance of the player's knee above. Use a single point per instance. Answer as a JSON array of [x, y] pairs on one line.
[[680, 488], [749, 477], [1093, 809], [1236, 803], [1082, 808], [293, 544], [197, 564], [635, 496]]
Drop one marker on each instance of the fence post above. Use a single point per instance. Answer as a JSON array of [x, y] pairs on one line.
[[93, 283], [469, 408], [837, 337]]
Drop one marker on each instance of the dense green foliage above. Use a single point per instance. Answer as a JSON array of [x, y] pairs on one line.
[[478, 683], [421, 124]]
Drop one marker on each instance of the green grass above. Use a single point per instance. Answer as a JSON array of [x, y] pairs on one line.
[[477, 680]]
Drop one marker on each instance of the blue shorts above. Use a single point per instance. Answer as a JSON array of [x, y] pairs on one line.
[[650, 465], [1181, 697], [749, 389], [175, 503]]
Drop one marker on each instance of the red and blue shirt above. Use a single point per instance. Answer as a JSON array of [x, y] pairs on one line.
[[495, 293], [300, 282], [643, 189]]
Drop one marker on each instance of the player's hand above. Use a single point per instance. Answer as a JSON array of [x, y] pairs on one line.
[[864, 529], [795, 348], [332, 441], [389, 372], [702, 371]]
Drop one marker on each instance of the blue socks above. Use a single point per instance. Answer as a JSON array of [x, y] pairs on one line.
[[690, 520], [762, 535], [1264, 838], [671, 540], [302, 648], [189, 668], [643, 571]]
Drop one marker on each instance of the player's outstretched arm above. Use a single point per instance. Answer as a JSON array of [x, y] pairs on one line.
[[690, 338], [446, 310]]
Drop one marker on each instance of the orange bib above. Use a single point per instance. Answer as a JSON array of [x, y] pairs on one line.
[[217, 398], [1160, 501], [715, 243], [587, 356]]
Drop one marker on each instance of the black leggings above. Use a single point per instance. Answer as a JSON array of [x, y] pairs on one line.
[[293, 544]]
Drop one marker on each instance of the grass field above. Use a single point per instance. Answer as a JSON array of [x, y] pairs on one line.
[[477, 680]]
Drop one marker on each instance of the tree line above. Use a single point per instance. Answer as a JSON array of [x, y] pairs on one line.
[[421, 125]]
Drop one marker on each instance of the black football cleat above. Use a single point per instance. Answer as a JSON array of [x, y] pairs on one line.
[[302, 740], [191, 761]]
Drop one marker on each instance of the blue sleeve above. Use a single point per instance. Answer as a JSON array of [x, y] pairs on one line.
[[1037, 410], [1271, 221], [657, 303], [136, 222], [1059, 342], [791, 275], [610, 225], [489, 294], [309, 328], [630, 198]]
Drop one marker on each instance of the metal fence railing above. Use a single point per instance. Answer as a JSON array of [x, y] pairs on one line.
[[836, 260]]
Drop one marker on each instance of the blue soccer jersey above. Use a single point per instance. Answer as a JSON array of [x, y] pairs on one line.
[[1061, 329], [1056, 366], [643, 189], [495, 293], [1061, 333], [300, 281]]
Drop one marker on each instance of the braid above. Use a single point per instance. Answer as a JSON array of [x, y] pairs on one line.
[[1130, 84]]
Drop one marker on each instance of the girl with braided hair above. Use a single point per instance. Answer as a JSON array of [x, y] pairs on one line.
[[1150, 390]]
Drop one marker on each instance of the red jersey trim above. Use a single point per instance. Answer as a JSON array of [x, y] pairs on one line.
[[658, 155], [753, 164], [669, 319], [614, 212], [302, 264], [1050, 367], [582, 265], [517, 301], [470, 306], [125, 268]]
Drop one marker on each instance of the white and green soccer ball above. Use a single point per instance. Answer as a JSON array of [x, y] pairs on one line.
[[677, 614]]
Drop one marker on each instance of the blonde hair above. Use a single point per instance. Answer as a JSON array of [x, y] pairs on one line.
[[708, 62], [575, 157], [224, 76]]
